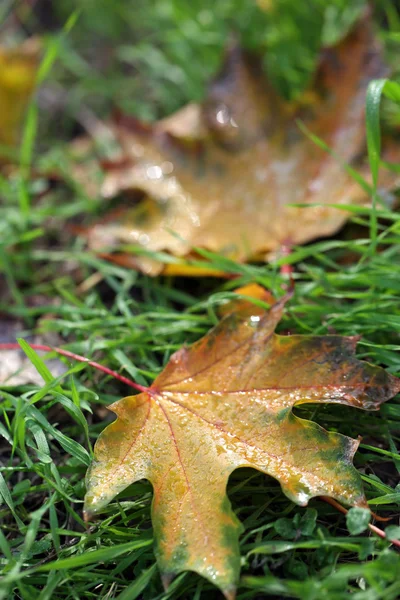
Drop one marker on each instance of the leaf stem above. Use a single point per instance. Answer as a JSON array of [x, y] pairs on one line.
[[79, 358], [373, 528]]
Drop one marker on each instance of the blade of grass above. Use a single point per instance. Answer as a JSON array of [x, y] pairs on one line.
[[373, 129]]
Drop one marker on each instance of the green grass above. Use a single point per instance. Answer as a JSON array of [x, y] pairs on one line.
[[348, 284]]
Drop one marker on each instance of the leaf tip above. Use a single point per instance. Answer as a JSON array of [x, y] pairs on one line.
[[90, 509], [166, 579], [87, 516], [395, 384], [353, 340], [230, 593]]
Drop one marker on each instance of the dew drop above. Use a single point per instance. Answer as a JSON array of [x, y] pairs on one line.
[[154, 172], [144, 239]]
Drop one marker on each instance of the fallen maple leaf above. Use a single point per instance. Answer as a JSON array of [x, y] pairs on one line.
[[226, 402], [222, 176], [18, 69]]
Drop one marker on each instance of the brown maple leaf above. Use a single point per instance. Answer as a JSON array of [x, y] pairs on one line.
[[222, 176], [226, 402]]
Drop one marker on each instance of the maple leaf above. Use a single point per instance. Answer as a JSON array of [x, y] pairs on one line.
[[222, 175], [223, 403]]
